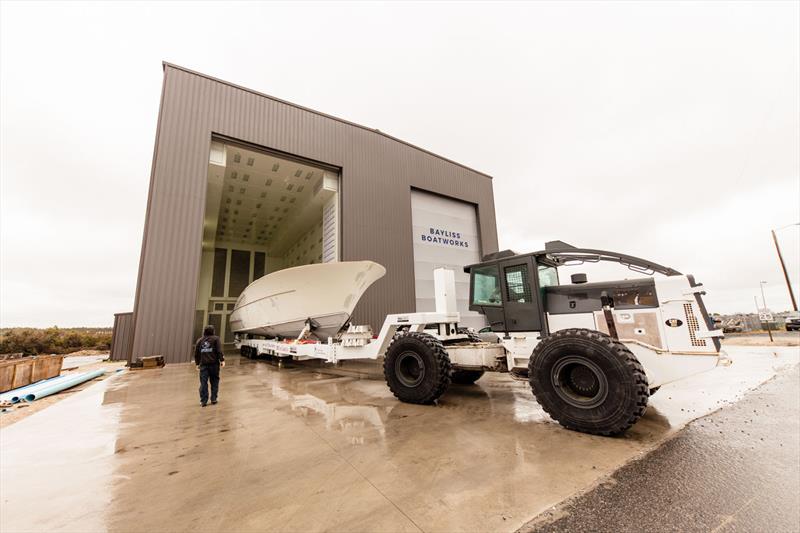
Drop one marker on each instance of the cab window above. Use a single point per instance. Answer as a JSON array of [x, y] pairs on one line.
[[518, 287], [486, 285], [548, 276]]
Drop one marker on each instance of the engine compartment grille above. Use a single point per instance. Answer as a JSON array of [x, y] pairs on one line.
[[693, 325]]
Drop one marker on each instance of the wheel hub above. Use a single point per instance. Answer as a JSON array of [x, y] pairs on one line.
[[409, 369], [583, 380], [579, 382]]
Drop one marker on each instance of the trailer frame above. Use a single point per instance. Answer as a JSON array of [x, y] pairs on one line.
[[358, 342]]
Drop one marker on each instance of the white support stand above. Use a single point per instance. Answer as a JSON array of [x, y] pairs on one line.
[[444, 283]]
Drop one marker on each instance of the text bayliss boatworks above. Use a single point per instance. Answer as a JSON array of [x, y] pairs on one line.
[[441, 236]]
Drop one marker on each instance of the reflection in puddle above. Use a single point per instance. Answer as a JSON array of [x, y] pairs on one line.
[[345, 404], [59, 456], [361, 409]]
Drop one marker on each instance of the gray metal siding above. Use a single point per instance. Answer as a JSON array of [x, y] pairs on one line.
[[122, 337], [377, 174]]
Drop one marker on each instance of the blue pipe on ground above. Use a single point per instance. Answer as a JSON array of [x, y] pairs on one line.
[[12, 394], [42, 392], [18, 394]]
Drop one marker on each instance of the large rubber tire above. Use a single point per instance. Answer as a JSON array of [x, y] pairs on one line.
[[466, 377], [417, 368], [588, 382]]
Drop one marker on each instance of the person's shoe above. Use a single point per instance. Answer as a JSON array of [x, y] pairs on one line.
[[214, 402], [202, 404]]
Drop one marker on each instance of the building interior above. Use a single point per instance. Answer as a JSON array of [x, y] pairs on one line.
[[264, 212]]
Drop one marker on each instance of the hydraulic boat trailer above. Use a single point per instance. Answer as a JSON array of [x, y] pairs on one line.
[[593, 353], [359, 342]]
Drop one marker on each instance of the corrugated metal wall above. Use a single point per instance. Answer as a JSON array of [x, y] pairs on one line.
[[377, 174], [122, 337]]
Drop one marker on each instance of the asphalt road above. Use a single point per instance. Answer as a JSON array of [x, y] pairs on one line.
[[735, 470]]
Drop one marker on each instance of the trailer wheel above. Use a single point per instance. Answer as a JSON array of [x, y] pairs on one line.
[[473, 337], [416, 368], [589, 382], [466, 377], [244, 351]]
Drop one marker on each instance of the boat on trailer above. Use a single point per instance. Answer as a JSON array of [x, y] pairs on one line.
[[321, 296]]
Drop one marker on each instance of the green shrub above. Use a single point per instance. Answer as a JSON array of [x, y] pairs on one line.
[[32, 341]]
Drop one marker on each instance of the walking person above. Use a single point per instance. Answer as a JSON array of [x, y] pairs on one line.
[[209, 358]]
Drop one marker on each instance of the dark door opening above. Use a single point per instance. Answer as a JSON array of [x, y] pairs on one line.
[[215, 319]]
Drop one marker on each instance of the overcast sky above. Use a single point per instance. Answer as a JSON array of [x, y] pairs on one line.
[[670, 131]]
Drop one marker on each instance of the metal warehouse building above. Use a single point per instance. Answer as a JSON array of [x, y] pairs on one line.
[[244, 184]]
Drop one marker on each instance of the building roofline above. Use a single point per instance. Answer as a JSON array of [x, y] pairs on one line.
[[166, 64]]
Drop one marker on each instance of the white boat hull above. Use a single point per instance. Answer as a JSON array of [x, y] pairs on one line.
[[280, 304]]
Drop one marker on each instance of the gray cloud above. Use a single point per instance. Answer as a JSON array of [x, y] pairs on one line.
[[663, 130]]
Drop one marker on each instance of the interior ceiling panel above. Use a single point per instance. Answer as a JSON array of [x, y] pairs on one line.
[[262, 196]]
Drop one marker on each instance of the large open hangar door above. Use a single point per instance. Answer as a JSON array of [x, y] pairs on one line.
[[264, 212]]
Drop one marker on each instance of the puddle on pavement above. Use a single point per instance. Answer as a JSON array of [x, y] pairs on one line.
[[60, 456], [355, 406]]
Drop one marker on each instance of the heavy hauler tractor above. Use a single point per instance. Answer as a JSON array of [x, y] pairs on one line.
[[593, 353]]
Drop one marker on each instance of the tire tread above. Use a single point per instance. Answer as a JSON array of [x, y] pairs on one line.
[[442, 360], [642, 389]]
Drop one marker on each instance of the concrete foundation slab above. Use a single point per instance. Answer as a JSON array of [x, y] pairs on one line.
[[295, 449]]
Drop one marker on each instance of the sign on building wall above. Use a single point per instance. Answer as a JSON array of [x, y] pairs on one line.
[[445, 233]]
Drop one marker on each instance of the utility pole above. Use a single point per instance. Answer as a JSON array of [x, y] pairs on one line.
[[783, 266], [764, 299], [758, 310]]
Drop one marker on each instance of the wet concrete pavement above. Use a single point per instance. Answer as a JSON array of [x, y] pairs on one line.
[[298, 450], [735, 470]]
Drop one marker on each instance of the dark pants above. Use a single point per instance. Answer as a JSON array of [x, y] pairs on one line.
[[209, 373]]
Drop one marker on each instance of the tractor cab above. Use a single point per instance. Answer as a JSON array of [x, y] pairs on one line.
[[508, 289], [521, 292]]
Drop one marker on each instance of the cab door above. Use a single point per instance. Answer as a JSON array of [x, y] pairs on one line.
[[520, 295]]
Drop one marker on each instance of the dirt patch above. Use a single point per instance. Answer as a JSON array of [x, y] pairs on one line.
[[780, 338], [87, 352]]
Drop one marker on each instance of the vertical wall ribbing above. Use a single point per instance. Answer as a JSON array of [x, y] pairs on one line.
[[378, 173]]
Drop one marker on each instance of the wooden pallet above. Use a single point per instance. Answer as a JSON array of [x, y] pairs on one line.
[[152, 361], [15, 373]]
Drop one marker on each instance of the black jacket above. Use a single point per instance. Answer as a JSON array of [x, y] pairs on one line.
[[208, 350]]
